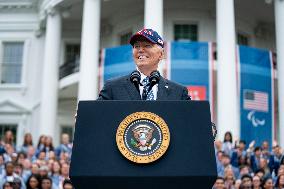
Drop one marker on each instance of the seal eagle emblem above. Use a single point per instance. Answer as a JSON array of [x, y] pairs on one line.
[[143, 137]]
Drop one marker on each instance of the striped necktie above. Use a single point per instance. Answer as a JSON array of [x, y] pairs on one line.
[[146, 85]]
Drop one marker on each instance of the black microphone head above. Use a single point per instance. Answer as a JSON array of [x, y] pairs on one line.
[[135, 77], [155, 77]]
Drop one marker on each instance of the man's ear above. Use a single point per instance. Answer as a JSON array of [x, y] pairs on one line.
[[162, 54]]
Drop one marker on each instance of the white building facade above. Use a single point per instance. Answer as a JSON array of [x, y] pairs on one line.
[[50, 51]]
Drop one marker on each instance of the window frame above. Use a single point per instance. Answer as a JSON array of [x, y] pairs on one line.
[[186, 23], [64, 43], [243, 34], [23, 79]]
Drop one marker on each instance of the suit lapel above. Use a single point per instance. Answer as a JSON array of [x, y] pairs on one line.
[[131, 89], [163, 89]]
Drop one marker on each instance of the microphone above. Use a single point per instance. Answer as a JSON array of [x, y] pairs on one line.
[[154, 78], [135, 79]]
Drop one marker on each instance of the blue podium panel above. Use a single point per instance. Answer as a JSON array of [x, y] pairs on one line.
[[189, 160]]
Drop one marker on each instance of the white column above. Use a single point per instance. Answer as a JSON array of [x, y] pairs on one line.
[[227, 100], [89, 63], [153, 15], [153, 18], [279, 24], [49, 97]]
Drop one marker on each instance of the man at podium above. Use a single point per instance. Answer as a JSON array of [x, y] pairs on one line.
[[145, 83], [142, 145]]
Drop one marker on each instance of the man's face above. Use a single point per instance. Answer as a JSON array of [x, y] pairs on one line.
[[242, 146], [65, 138], [244, 171], [65, 169], [247, 182], [35, 169], [147, 55], [45, 184], [225, 160], [9, 169], [18, 170], [31, 151], [219, 156], [257, 153], [219, 184], [41, 156], [276, 150], [262, 163], [27, 164]]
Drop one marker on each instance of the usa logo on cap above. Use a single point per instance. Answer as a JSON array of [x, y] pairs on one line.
[[150, 35]]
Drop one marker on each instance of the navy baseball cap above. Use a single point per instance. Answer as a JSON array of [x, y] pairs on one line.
[[150, 35]]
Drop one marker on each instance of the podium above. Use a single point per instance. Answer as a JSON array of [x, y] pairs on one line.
[[189, 161]]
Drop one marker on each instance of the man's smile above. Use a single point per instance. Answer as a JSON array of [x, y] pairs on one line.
[[142, 57]]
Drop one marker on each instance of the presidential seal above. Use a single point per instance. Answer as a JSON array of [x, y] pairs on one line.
[[143, 137]]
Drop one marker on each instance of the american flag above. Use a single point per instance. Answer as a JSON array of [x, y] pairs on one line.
[[255, 100]]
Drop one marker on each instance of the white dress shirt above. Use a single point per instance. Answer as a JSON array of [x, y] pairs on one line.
[[154, 89]]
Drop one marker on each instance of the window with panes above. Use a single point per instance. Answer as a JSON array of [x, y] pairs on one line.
[[72, 52], [12, 62], [185, 32]]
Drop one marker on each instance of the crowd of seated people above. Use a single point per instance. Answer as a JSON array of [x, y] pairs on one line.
[[44, 166], [35, 166], [242, 166]]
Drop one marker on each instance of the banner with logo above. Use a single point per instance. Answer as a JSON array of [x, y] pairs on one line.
[[256, 94], [116, 61], [191, 64]]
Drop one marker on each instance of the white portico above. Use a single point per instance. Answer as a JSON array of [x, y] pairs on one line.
[[61, 42]]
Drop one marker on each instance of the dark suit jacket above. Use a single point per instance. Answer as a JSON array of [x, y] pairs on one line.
[[123, 89]]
